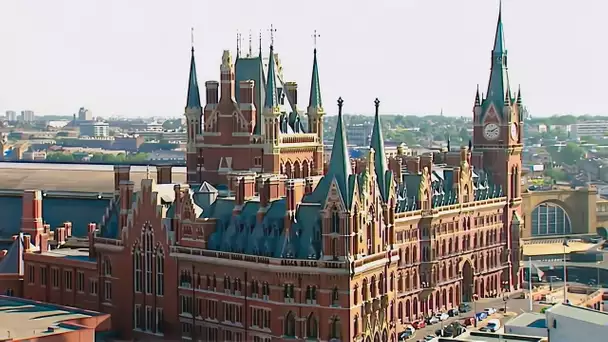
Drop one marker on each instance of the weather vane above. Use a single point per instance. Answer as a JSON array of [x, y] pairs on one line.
[[314, 38], [192, 37]]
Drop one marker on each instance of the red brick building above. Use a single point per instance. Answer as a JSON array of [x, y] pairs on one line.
[[280, 248]]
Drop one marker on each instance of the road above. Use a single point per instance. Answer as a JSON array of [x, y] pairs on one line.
[[514, 304]]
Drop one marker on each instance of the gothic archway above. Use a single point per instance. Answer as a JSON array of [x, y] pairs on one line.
[[384, 336], [376, 337], [467, 281]]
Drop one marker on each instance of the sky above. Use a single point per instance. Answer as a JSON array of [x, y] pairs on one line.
[[131, 57]]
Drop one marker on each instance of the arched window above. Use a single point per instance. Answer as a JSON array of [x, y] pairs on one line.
[[334, 248], [335, 220], [335, 328], [290, 325], [137, 267], [335, 297], [160, 273], [355, 326], [312, 327], [550, 219], [107, 267]]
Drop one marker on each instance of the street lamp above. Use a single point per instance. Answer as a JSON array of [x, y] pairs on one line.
[[505, 296]]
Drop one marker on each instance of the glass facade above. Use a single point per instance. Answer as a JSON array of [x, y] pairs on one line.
[[550, 219]]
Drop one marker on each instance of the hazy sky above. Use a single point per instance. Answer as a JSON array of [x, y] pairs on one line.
[[130, 57]]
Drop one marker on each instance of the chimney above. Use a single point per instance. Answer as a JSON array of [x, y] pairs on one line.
[[212, 92], [274, 189], [227, 77], [164, 174], [295, 189], [311, 184], [413, 165], [68, 228], [292, 92], [91, 228], [27, 243], [246, 105], [60, 235], [426, 161], [245, 188], [126, 202], [31, 214], [121, 173]]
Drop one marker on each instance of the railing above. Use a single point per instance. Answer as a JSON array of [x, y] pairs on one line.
[[111, 242], [298, 138]]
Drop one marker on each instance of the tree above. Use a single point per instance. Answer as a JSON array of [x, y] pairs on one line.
[[556, 174], [571, 153]]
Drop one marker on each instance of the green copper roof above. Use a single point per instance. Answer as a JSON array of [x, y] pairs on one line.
[[498, 85], [339, 164], [315, 87], [194, 98], [377, 144], [272, 99]]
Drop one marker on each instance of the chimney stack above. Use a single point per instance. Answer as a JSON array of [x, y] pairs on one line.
[[31, 214], [121, 173], [91, 228], [247, 100], [164, 174], [426, 161], [227, 77], [126, 202], [212, 91]]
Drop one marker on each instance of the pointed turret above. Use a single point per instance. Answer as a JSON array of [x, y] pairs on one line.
[[315, 103], [271, 103], [339, 164], [477, 97], [193, 100], [519, 100], [377, 144], [498, 85]]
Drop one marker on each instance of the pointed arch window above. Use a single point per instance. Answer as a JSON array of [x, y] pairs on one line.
[[335, 328], [312, 327], [311, 294], [137, 266], [334, 248], [148, 250], [265, 290], [290, 325], [355, 326], [335, 220], [335, 297], [288, 292], [160, 273]]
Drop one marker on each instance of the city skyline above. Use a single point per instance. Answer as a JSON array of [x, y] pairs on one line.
[[103, 56]]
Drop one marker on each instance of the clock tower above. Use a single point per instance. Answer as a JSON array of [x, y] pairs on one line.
[[497, 133]]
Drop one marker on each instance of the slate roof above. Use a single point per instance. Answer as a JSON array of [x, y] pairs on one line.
[[71, 177], [55, 211], [193, 100], [9, 264]]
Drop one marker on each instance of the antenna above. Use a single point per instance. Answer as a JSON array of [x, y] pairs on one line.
[[315, 35], [238, 43], [250, 38], [260, 42], [272, 31]]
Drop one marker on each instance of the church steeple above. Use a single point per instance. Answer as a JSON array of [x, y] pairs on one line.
[[271, 103], [193, 101], [498, 85], [315, 102], [339, 164], [377, 144]]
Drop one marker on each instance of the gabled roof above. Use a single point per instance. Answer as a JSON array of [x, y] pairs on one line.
[[9, 264], [207, 188]]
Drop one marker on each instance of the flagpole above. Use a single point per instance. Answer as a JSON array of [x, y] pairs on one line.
[[565, 274], [530, 284]]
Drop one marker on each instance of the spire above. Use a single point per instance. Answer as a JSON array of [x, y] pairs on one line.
[[499, 92], [239, 42], [519, 100], [193, 100], [477, 98], [339, 164], [379, 153], [315, 102], [272, 100]]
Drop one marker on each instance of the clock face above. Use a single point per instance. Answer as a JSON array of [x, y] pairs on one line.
[[514, 131], [491, 131]]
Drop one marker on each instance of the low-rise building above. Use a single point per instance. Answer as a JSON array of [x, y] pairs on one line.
[[28, 320], [567, 323], [528, 323]]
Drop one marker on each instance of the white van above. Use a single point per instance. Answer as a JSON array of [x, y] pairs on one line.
[[492, 326]]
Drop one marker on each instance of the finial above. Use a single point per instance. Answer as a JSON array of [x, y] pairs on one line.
[[148, 172], [272, 31], [192, 38], [377, 105], [238, 44], [250, 39], [315, 35], [470, 145], [340, 103], [260, 42]]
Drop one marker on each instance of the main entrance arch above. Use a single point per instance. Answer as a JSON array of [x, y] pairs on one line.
[[467, 281]]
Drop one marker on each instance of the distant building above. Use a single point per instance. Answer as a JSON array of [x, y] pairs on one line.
[[568, 323], [94, 129], [359, 134], [27, 115], [11, 115], [593, 129], [84, 114]]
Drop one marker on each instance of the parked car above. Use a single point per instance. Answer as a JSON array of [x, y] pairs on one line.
[[419, 324], [453, 312], [442, 316], [490, 311], [432, 320], [464, 307], [429, 338], [406, 335], [492, 326], [480, 316], [468, 321]]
